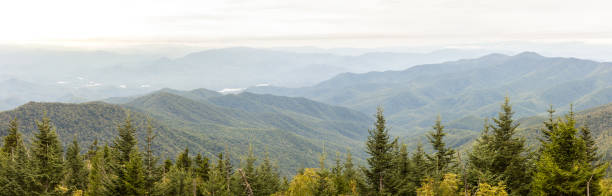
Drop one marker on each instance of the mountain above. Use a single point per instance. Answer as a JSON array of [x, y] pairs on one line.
[[458, 89], [293, 131], [61, 75]]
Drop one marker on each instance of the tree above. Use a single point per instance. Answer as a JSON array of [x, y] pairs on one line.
[[379, 146], [563, 167], [419, 162], [267, 180], [441, 162], [183, 161], [403, 179], [500, 156], [481, 158], [47, 158], [96, 178], [76, 174], [201, 167], [13, 140], [125, 143], [132, 177], [152, 172]]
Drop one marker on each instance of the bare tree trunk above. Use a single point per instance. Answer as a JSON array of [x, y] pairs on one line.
[[246, 182], [588, 191], [380, 184]]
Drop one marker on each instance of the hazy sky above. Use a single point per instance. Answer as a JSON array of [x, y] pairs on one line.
[[323, 23]]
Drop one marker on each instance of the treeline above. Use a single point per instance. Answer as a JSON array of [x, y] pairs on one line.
[[499, 163]]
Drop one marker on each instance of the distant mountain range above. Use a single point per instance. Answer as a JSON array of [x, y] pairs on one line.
[[466, 90], [80, 76], [293, 131]]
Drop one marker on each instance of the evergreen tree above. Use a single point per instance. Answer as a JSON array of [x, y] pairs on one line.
[[125, 144], [403, 182], [13, 139], [419, 162], [500, 156], [152, 172], [201, 167], [93, 149], [563, 167], [133, 176], [177, 182], [592, 155], [380, 148], [47, 158], [96, 181], [76, 174], [183, 161], [442, 161], [481, 158], [266, 178]]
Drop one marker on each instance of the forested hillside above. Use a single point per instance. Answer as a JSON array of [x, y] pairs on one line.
[[567, 160], [292, 130], [465, 88]]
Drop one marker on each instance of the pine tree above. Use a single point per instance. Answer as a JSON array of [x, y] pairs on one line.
[[503, 155], [152, 172], [379, 146], [76, 174], [481, 158], [419, 162], [563, 167], [93, 149], [96, 181], [126, 142], [442, 161], [267, 178], [47, 158], [133, 176], [13, 139], [592, 155], [183, 161], [403, 184], [201, 167]]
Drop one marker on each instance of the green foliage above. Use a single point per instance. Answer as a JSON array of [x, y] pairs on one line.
[[76, 173], [442, 161], [47, 158], [563, 167], [501, 156], [379, 146]]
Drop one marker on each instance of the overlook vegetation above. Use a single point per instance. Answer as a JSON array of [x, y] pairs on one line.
[[567, 162]]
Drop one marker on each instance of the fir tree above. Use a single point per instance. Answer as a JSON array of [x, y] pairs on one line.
[[403, 184], [133, 177], [152, 173], [563, 167], [47, 158], [126, 142], [380, 148], [442, 161], [13, 139], [96, 181], [183, 161], [76, 174], [267, 178], [419, 162], [201, 167], [511, 158]]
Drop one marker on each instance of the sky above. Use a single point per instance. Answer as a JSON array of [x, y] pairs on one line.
[[320, 23]]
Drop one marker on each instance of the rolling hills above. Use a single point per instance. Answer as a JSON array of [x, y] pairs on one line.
[[471, 88], [293, 131]]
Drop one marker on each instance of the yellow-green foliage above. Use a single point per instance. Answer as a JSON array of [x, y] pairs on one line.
[[606, 187], [303, 184], [485, 189], [427, 188]]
